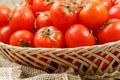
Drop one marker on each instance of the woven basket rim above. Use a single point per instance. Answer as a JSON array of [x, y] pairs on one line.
[[85, 47]]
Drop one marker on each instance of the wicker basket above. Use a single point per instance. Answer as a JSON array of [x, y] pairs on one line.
[[89, 60]]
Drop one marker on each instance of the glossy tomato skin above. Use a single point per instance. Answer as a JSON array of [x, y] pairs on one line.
[[43, 19], [107, 3], [61, 19], [110, 32], [78, 35], [49, 37], [22, 38], [22, 18], [41, 5], [4, 14], [5, 33], [114, 12], [93, 15]]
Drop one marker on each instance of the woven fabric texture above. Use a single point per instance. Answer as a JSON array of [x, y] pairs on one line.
[[13, 71]]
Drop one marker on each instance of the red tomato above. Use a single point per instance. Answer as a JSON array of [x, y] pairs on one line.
[[49, 37], [63, 15], [107, 3], [110, 32], [22, 38], [93, 15], [42, 5], [4, 14], [78, 35], [114, 12], [22, 18], [5, 33], [43, 19]]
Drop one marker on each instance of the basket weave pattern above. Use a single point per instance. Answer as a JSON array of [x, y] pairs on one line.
[[98, 59]]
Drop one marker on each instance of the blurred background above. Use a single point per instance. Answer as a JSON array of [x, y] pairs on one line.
[[10, 3]]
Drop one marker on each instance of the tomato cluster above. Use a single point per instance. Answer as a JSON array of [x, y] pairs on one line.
[[60, 23]]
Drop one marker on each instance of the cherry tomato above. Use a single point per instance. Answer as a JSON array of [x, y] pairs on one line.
[[78, 35], [42, 5], [22, 38], [5, 33], [110, 32], [93, 15], [43, 19], [63, 15], [22, 18], [4, 14], [107, 3], [48, 37], [114, 12]]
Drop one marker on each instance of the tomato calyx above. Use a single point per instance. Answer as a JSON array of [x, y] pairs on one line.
[[49, 33], [24, 44], [104, 24], [69, 6], [49, 1]]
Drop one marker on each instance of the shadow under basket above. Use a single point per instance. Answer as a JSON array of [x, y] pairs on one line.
[[88, 60]]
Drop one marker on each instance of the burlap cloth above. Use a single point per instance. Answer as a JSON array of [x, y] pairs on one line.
[[14, 71]]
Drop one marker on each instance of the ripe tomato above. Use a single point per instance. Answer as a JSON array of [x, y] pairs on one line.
[[5, 33], [78, 35], [114, 12], [49, 37], [4, 14], [22, 18], [22, 38], [110, 32], [107, 3], [43, 19], [93, 15], [42, 5], [63, 15]]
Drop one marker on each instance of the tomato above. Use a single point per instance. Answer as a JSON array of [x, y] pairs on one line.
[[49, 37], [107, 3], [4, 14], [78, 35], [93, 15], [42, 5], [43, 19], [22, 38], [114, 12], [22, 18], [5, 33], [110, 32], [63, 15]]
